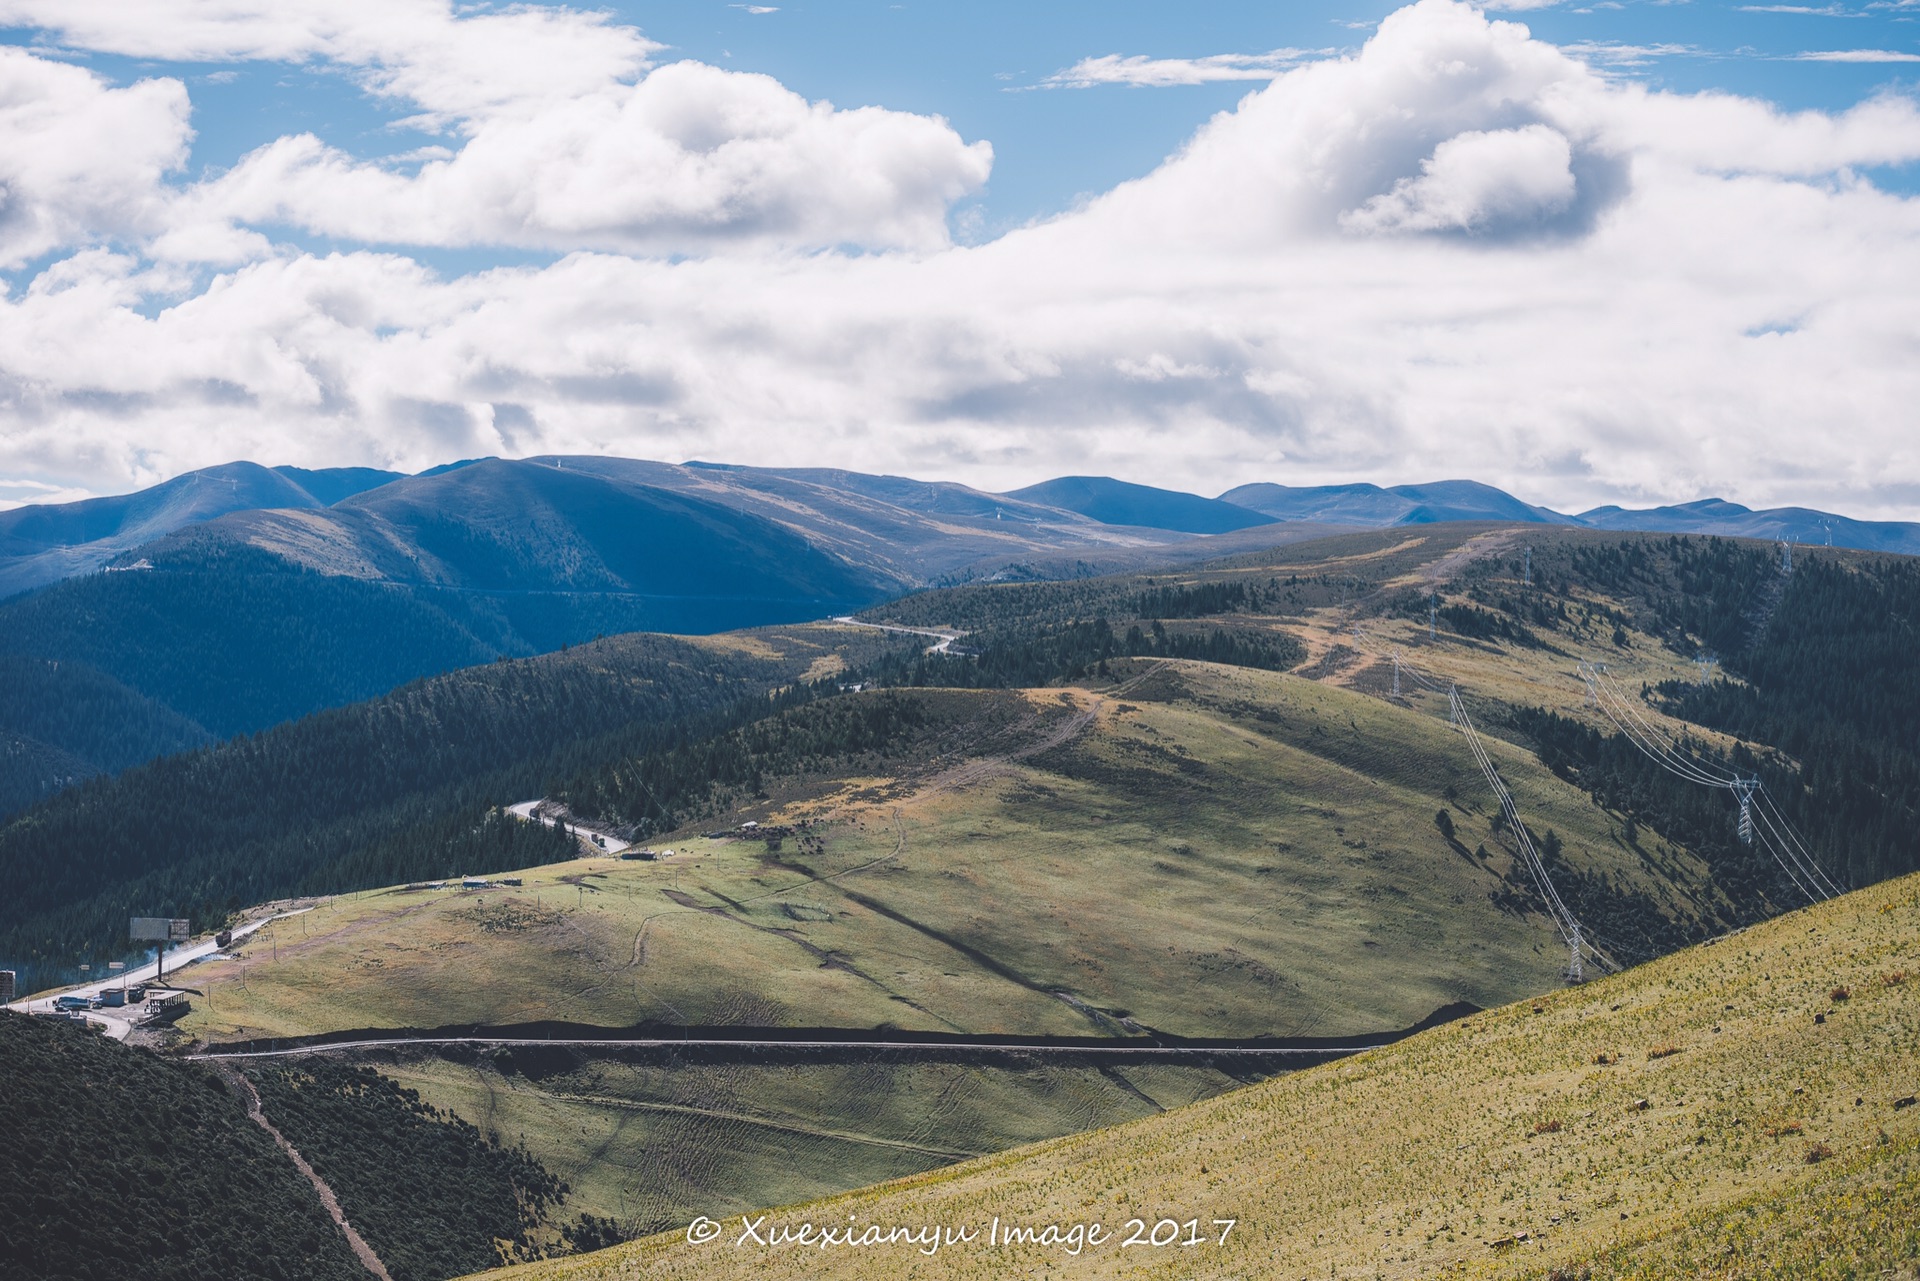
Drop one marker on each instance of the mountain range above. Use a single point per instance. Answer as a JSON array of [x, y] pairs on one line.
[[233, 598], [447, 526]]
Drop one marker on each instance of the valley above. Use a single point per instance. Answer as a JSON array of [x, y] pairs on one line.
[[1222, 805]]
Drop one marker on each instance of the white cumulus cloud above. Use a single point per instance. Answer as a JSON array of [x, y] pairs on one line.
[[688, 157], [1477, 179], [81, 160], [453, 65]]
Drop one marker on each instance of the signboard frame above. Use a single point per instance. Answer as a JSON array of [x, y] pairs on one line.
[[159, 929]]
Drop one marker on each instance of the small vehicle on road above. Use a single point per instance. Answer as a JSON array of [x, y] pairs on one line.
[[72, 1003]]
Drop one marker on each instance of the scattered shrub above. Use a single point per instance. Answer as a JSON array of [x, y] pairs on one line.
[[1664, 1051], [1550, 1126], [1841, 993]]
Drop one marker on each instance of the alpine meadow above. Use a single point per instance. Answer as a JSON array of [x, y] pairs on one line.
[[699, 641]]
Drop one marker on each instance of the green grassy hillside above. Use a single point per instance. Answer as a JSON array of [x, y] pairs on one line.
[[646, 1141], [1740, 1109], [1200, 850], [1188, 848]]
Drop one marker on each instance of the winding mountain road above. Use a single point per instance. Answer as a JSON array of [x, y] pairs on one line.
[[118, 1026]]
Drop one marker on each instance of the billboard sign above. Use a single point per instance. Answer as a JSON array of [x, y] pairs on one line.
[[6, 987], [159, 929]]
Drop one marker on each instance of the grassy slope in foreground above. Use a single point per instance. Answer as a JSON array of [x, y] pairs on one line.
[[1731, 1134]]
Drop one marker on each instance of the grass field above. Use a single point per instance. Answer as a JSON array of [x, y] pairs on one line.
[[1741, 1109], [1202, 850], [652, 1143], [1177, 846]]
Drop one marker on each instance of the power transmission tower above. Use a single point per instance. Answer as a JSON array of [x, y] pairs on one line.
[[1706, 664], [1526, 567], [1743, 790], [1576, 972], [1786, 557], [1396, 673], [1433, 617]]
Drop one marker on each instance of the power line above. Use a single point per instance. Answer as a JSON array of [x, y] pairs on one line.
[[1771, 833], [1563, 917], [1564, 920]]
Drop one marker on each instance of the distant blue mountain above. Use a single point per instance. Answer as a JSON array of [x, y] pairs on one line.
[[264, 615], [45, 543], [1373, 506], [1794, 524], [330, 485], [1117, 502]]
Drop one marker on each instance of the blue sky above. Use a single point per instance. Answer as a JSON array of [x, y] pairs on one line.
[[984, 65], [1633, 252]]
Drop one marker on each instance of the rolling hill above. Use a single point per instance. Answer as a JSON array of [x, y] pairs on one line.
[[45, 543], [1739, 1109], [1041, 837], [1173, 804], [1370, 505], [1026, 863], [1794, 524], [405, 785], [1116, 502]]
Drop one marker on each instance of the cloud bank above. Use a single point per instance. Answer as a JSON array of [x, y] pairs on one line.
[[1457, 252]]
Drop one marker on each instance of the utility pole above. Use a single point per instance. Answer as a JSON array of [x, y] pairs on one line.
[[1743, 790]]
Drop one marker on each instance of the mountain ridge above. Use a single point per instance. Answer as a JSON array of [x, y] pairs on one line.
[[909, 532]]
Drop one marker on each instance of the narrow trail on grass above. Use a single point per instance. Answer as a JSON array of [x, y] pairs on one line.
[[361, 1249], [767, 1123]]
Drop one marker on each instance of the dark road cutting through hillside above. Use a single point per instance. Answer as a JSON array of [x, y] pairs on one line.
[[740, 1044]]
